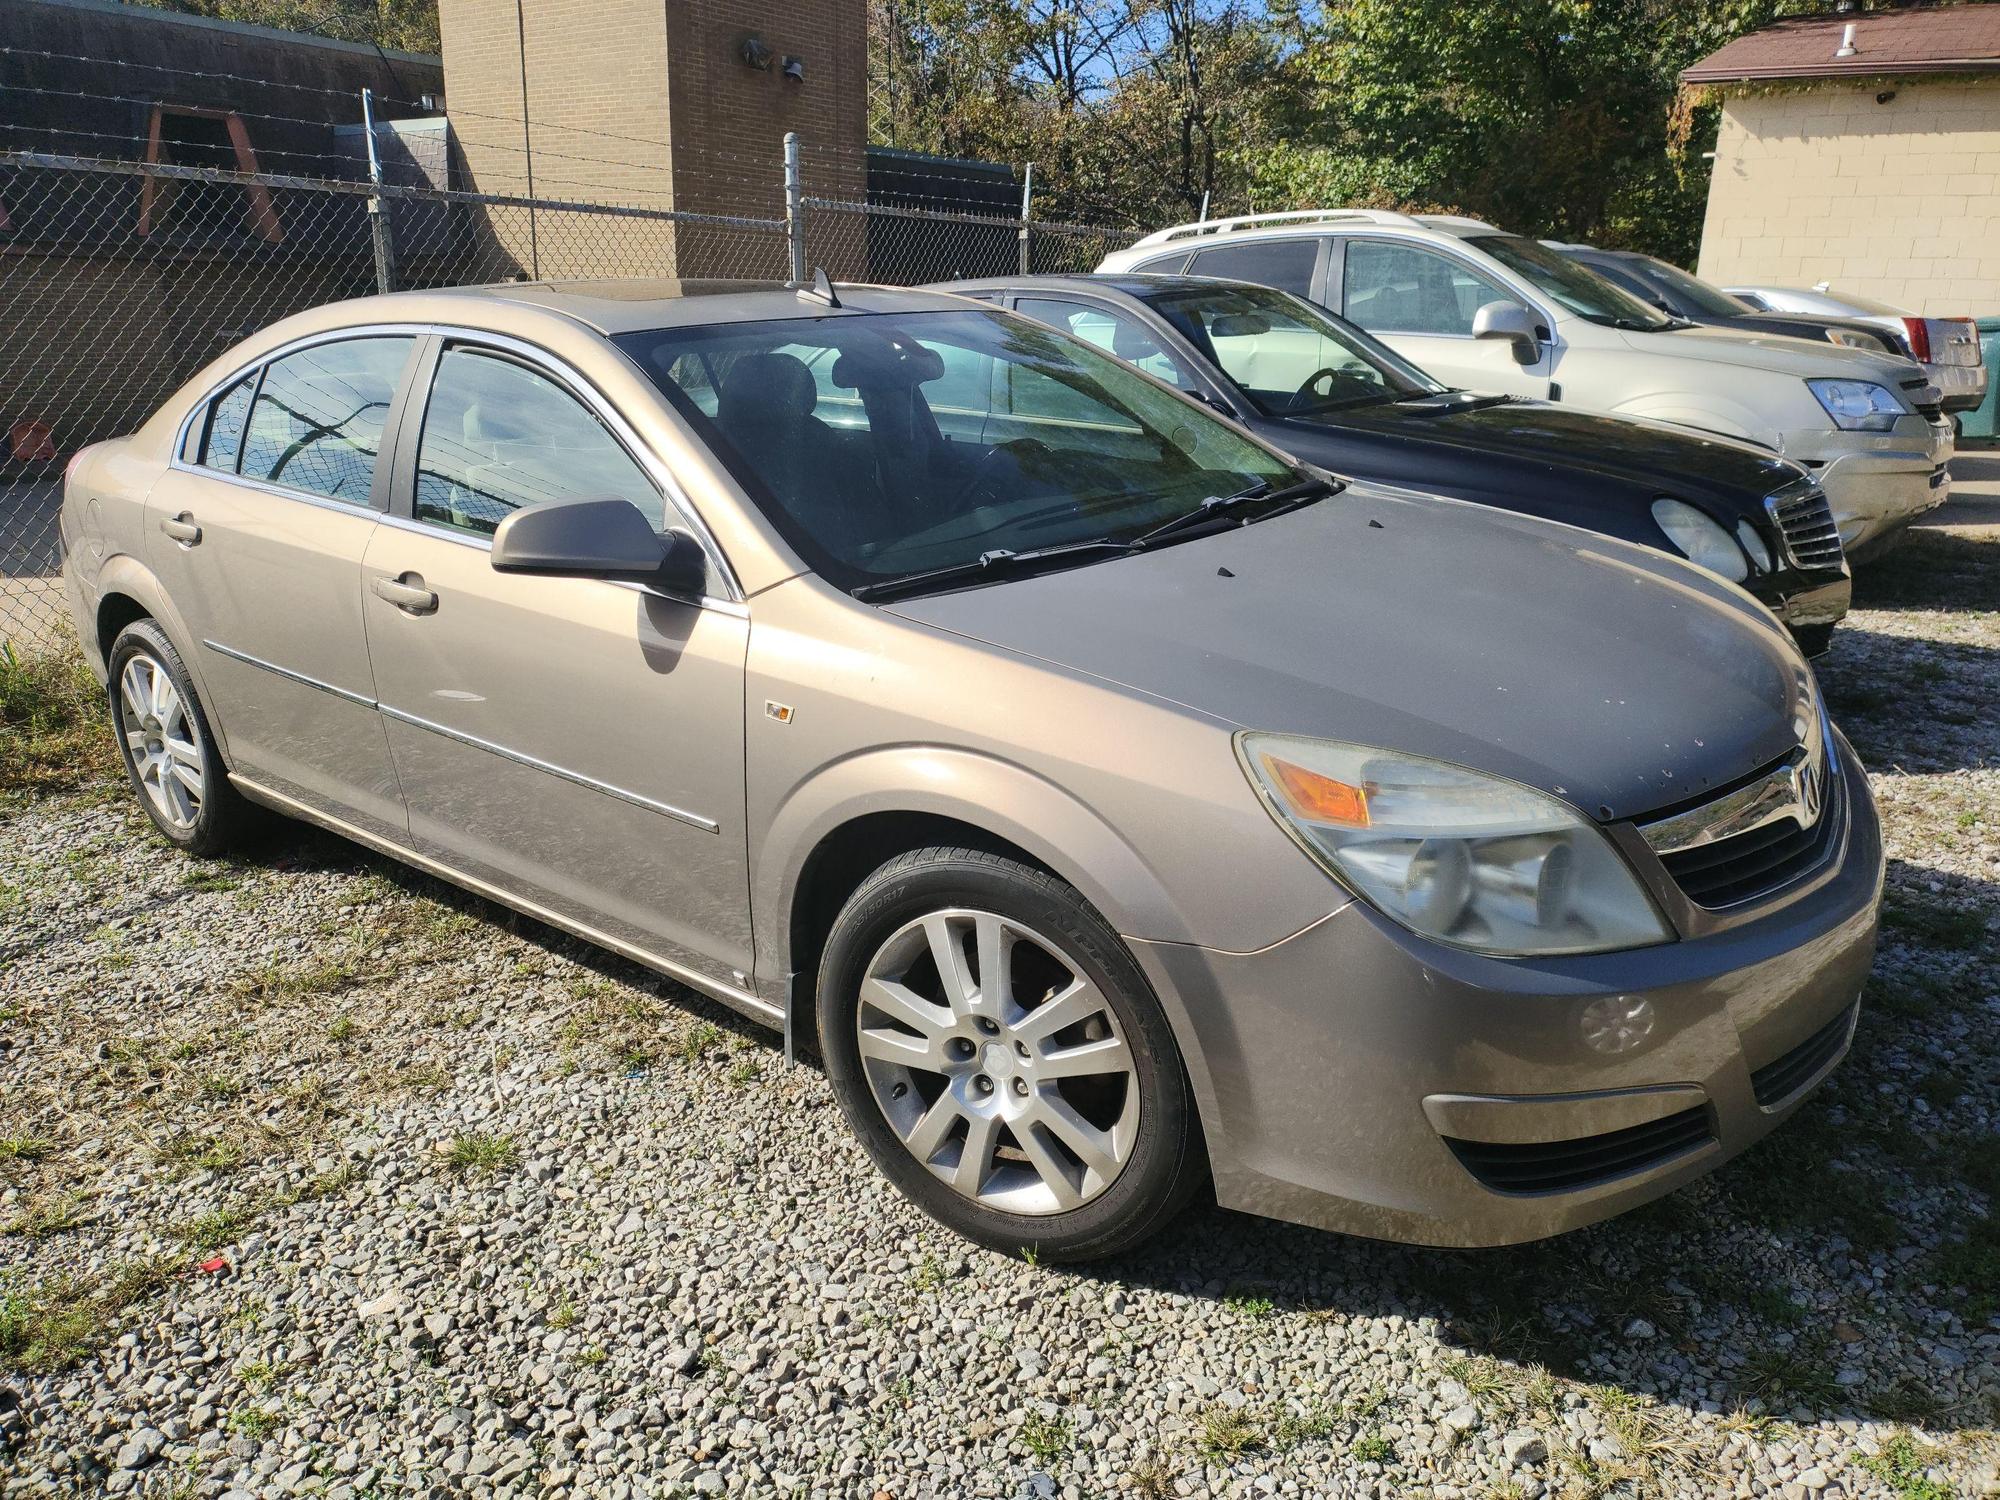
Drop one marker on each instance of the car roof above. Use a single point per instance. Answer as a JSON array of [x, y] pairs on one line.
[[1140, 284], [634, 304]]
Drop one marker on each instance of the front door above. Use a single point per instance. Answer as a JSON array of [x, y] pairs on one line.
[[575, 742], [257, 533], [1421, 303]]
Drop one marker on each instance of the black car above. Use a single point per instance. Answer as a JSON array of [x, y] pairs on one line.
[[1317, 386], [1686, 296]]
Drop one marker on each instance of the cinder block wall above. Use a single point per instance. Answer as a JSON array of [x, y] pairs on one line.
[[1898, 200], [649, 103]]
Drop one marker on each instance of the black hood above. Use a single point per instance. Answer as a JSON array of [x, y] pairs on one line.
[[1659, 458]]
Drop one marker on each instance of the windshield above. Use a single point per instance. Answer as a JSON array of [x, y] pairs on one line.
[[1287, 356], [1575, 287], [1691, 290], [887, 444]]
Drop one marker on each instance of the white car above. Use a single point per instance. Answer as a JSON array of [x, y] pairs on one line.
[[1489, 311], [1947, 348]]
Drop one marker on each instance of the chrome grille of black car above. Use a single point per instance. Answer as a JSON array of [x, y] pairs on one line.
[[1805, 519]]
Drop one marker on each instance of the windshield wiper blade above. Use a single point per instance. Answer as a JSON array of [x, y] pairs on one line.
[[1001, 562], [1216, 508]]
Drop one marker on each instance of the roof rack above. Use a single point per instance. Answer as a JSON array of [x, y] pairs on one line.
[[1294, 216]]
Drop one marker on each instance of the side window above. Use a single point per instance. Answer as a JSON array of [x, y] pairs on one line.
[[498, 436], [1396, 288], [318, 419], [222, 444], [1112, 332], [1164, 265], [1284, 264]]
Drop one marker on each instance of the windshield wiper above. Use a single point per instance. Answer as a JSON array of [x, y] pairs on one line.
[[1217, 507], [999, 563]]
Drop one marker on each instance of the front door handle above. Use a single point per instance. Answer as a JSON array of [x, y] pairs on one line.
[[182, 529], [409, 596]]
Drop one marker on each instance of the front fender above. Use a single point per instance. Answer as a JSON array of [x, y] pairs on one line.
[[1716, 415]]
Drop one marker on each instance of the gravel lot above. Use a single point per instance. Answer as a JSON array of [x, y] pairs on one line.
[[319, 1178]]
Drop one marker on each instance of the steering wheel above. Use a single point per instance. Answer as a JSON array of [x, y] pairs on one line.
[[982, 468], [1325, 372]]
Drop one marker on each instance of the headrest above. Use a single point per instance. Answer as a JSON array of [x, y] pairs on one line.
[[771, 382], [887, 365], [1132, 343]]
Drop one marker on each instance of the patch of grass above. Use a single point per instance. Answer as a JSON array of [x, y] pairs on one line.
[[1226, 1435], [49, 1214], [1047, 1438], [210, 877], [1372, 1449], [259, 1374], [697, 1041], [220, 1088], [201, 1153], [592, 1357], [426, 1078], [1774, 1305], [564, 1315], [1901, 1465], [217, 1227], [54, 729], [1788, 1376], [254, 1422], [23, 1147], [1974, 1264], [745, 1073], [50, 1327], [299, 981], [478, 1154], [1483, 1379], [1150, 1479], [1313, 1425], [341, 1029]]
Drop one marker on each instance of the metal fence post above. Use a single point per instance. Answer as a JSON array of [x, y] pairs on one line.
[[795, 209], [378, 219], [1027, 207]]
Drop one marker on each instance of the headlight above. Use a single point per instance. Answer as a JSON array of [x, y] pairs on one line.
[[1857, 405], [1469, 859], [1854, 338], [1758, 549], [1701, 539]]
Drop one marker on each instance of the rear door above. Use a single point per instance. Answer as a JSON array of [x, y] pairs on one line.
[[1421, 301], [575, 742], [257, 530]]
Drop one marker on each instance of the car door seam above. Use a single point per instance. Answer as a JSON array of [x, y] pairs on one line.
[[519, 757]]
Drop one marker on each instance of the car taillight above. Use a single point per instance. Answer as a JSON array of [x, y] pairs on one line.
[[1919, 331]]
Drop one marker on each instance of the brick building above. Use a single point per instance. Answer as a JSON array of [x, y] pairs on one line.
[[1861, 150]]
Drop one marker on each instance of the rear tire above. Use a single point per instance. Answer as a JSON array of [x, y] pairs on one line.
[[169, 751], [1039, 1108]]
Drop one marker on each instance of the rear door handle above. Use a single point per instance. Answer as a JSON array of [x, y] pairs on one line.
[[411, 597], [182, 529]]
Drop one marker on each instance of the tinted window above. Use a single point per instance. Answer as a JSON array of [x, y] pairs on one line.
[[1391, 287], [1112, 332], [1575, 287], [1686, 290], [1284, 264], [318, 420], [942, 436], [226, 418], [498, 436]]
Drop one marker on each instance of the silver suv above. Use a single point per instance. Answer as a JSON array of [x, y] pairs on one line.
[[1485, 310], [1110, 802]]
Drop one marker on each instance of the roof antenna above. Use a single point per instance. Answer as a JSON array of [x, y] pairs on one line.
[[821, 288]]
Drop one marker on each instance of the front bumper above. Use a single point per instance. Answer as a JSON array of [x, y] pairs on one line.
[[1877, 482], [1360, 1079]]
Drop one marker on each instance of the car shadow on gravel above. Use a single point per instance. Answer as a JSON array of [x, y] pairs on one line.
[[1843, 1268], [1932, 571], [1913, 704]]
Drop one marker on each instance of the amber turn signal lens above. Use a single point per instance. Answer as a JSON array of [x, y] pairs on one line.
[[1315, 798]]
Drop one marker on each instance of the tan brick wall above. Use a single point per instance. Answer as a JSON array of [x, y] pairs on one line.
[[1899, 201], [648, 103]]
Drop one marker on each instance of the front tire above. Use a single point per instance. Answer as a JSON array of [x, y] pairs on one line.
[[1002, 1059], [169, 751]]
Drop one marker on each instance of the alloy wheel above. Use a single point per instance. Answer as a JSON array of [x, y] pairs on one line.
[[997, 1062], [164, 745]]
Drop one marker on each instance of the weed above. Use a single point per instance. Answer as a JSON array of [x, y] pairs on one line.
[[1901, 1465], [745, 1073], [479, 1154], [259, 1374], [1314, 1424], [1784, 1375], [1227, 1435], [340, 1029], [1974, 1264], [217, 1227], [48, 1328], [592, 1357], [53, 734], [1774, 1304], [928, 1275], [1372, 1449], [1045, 1437], [210, 877], [1254, 1306], [564, 1315], [25, 1148], [48, 1214], [1150, 1479], [254, 1422], [696, 1041]]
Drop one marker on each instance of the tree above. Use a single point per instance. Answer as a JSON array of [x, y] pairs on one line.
[[411, 25]]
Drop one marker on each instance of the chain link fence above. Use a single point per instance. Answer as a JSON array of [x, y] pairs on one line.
[[119, 279]]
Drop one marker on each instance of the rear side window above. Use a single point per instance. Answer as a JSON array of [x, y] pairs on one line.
[[499, 436], [222, 444], [319, 416], [1284, 264]]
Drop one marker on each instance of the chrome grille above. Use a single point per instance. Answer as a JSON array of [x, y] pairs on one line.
[[1759, 836], [1805, 519]]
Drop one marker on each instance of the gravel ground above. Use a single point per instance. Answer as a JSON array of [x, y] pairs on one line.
[[319, 1178]]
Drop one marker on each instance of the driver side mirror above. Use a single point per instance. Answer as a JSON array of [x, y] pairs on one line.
[[599, 538], [1512, 322]]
